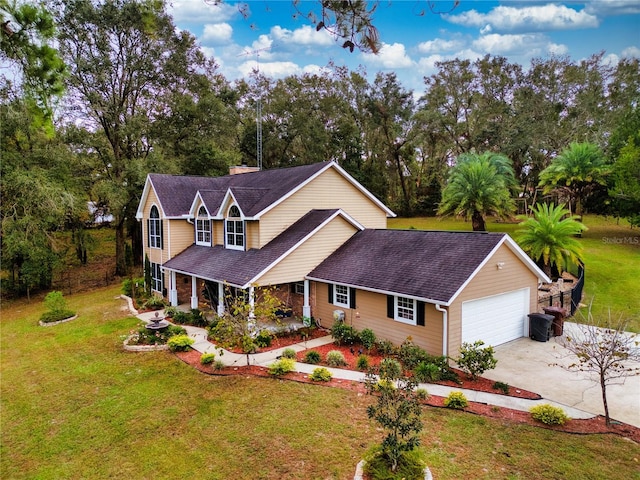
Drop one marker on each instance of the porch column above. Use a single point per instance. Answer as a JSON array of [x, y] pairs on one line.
[[194, 292], [306, 308], [173, 289], [220, 298]]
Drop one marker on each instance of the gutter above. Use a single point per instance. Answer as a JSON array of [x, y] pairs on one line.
[[445, 324]]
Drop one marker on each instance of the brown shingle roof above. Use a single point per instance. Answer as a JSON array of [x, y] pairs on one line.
[[254, 191], [241, 268], [427, 265]]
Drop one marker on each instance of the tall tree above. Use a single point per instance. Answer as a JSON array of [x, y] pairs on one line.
[[576, 172], [548, 237], [479, 185], [26, 32], [125, 57]]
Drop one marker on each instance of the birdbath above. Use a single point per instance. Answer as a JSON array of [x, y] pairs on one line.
[[157, 323]]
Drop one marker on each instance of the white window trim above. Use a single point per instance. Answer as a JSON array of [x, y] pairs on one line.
[[204, 231], [226, 233], [155, 240], [400, 319], [335, 296], [156, 277]]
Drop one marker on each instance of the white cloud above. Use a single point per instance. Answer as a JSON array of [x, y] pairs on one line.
[[201, 11], [533, 18], [439, 45], [521, 44], [606, 8], [631, 52], [301, 36], [217, 33], [389, 56], [270, 69]]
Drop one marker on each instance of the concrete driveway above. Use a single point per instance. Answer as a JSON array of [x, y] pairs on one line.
[[528, 364]]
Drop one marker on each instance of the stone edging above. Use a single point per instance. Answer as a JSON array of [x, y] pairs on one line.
[[142, 348], [51, 324], [360, 472], [130, 304]]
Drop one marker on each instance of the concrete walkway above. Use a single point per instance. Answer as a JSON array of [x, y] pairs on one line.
[[202, 345]]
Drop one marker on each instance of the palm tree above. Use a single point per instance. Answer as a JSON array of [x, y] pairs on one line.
[[549, 236], [479, 185], [577, 171]]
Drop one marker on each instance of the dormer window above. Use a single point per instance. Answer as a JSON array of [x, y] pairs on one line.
[[203, 228], [234, 229]]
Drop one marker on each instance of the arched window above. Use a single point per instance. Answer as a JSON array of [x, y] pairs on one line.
[[154, 228], [203, 228], [234, 229]]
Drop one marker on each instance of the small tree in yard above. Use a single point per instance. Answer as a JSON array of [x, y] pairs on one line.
[[475, 360], [606, 352], [238, 325], [397, 411]]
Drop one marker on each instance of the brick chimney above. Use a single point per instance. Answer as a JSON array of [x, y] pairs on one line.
[[238, 169]]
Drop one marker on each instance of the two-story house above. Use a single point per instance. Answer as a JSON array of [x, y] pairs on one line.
[[320, 237]]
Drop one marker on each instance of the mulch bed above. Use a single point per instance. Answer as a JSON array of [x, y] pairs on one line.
[[575, 426]]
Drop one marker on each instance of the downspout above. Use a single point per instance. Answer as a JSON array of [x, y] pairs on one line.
[[445, 329]]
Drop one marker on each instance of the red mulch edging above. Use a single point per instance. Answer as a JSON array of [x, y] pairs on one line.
[[594, 425]]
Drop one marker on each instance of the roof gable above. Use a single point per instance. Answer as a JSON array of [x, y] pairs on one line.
[[255, 192], [427, 265]]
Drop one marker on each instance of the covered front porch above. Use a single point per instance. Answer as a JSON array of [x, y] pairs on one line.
[[208, 295]]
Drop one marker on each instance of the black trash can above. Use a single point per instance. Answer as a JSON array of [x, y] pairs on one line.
[[540, 326]]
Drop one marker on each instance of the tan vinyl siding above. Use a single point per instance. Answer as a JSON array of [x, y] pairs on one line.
[[490, 280], [155, 254], [252, 234], [328, 191], [371, 312], [218, 232], [182, 235], [308, 255]]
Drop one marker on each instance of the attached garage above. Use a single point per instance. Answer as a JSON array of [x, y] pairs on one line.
[[496, 319]]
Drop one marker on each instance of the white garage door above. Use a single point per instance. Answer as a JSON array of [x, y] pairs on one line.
[[496, 319]]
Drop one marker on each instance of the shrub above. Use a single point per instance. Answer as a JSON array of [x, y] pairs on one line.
[[385, 347], [335, 358], [456, 400], [56, 308], [411, 355], [503, 387], [321, 374], [344, 334], [475, 360], [548, 414], [218, 365], [427, 372], [312, 357], [289, 353], [154, 302], [207, 358], [362, 363], [129, 284], [264, 339], [409, 464], [180, 343], [390, 368], [367, 338], [281, 367], [422, 394]]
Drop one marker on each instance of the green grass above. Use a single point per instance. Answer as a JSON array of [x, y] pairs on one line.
[[75, 405], [611, 256]]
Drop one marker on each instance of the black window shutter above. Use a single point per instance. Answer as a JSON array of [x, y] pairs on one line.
[[390, 306], [330, 289], [148, 232], [352, 297], [420, 319], [161, 236]]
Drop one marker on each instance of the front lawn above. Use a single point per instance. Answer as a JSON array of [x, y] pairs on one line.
[[611, 254], [75, 405]]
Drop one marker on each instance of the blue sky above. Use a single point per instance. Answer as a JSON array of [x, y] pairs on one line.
[[412, 42]]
